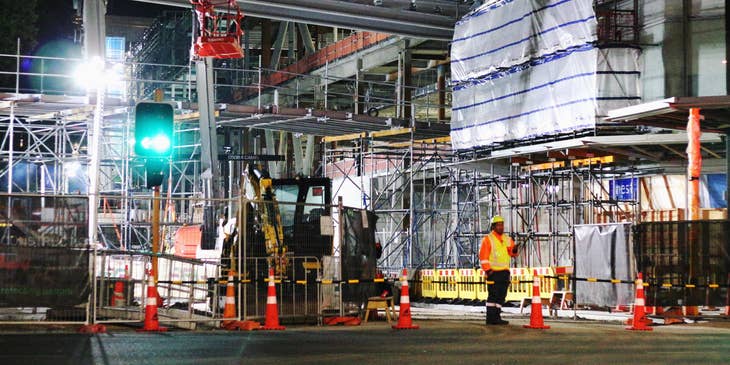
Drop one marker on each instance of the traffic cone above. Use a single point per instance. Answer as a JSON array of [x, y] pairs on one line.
[[639, 322], [151, 321], [229, 311], [536, 320], [272, 312], [118, 298], [404, 313]]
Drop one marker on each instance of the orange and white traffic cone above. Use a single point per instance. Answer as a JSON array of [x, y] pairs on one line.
[[151, 320], [118, 297], [404, 312], [536, 320], [272, 311], [229, 311], [639, 322]]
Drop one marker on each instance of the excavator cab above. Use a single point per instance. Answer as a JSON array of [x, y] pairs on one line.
[[285, 215]]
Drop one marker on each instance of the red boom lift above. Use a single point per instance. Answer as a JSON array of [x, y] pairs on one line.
[[219, 34]]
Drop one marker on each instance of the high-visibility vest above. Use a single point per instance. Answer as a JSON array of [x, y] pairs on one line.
[[494, 253]]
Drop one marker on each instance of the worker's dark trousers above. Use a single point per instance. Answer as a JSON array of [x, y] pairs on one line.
[[497, 294]]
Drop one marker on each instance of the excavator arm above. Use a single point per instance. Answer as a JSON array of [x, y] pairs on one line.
[[261, 194]]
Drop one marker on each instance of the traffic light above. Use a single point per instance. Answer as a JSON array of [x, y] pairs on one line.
[[153, 125]]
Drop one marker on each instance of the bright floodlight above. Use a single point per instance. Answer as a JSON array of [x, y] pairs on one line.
[[92, 74]]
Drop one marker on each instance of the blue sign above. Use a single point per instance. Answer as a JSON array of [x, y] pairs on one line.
[[716, 187], [624, 189]]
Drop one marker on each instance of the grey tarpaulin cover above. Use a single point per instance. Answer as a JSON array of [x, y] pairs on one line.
[[603, 252]]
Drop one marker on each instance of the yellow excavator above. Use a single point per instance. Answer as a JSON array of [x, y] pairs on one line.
[[259, 190]]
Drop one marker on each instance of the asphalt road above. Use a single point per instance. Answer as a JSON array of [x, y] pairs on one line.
[[437, 342]]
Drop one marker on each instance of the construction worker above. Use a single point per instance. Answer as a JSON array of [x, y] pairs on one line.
[[494, 256]]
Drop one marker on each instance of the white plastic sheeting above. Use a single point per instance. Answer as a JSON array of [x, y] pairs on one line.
[[603, 252], [529, 68], [503, 33], [556, 93]]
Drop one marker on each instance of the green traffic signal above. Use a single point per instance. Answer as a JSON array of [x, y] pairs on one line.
[[153, 128]]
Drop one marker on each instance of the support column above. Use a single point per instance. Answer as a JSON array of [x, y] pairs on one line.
[[298, 154], [694, 168], [283, 149], [281, 37], [441, 88], [307, 38], [408, 109], [309, 156], [265, 42], [359, 89], [94, 43], [208, 135], [246, 51], [270, 149]]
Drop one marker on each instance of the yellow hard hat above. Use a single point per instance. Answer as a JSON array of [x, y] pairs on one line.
[[497, 219]]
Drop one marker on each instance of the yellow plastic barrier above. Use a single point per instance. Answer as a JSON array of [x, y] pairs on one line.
[[481, 287], [467, 284], [547, 284], [447, 288], [428, 288], [521, 286]]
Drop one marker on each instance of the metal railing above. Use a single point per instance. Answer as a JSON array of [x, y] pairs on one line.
[[183, 284]]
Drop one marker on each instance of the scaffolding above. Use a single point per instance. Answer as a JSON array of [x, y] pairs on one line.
[[434, 209]]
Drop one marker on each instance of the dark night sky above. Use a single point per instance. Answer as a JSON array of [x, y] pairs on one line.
[[134, 8], [55, 17]]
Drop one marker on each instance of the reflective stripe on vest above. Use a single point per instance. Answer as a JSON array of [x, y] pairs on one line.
[[499, 257]]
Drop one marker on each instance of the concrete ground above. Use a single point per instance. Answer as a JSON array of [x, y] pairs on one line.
[[445, 341]]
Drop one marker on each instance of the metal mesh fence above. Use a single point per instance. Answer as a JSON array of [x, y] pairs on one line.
[[44, 259], [688, 262]]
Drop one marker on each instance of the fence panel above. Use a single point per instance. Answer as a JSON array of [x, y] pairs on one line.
[[685, 262], [297, 289], [44, 259]]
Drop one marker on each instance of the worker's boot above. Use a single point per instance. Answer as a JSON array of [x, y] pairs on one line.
[[499, 317], [492, 315]]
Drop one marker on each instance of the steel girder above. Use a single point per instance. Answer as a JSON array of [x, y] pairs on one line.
[[349, 15]]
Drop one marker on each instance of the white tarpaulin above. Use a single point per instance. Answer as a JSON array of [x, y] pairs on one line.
[[530, 68], [556, 93], [503, 33], [603, 252]]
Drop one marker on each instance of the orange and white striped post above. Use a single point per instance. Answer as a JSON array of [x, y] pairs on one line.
[[536, 320], [639, 322]]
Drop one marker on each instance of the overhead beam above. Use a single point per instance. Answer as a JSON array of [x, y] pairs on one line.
[[343, 14]]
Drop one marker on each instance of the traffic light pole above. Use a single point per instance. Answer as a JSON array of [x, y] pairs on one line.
[[155, 229]]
